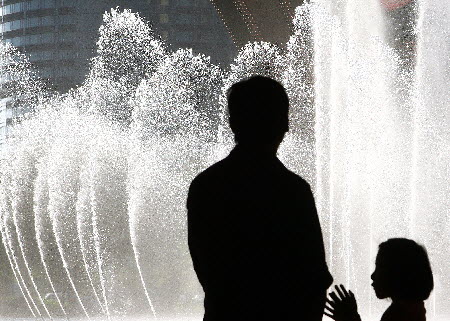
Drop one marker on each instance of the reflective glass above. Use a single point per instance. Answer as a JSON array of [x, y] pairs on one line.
[[33, 5], [46, 37], [66, 36], [7, 9], [17, 24], [163, 18], [185, 36], [17, 41], [32, 22], [66, 54], [186, 18], [207, 37], [41, 55], [49, 4], [185, 3], [6, 26], [46, 73], [67, 3], [17, 7], [47, 21], [67, 19], [32, 39]]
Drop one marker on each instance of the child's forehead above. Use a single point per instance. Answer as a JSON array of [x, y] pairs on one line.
[[381, 257]]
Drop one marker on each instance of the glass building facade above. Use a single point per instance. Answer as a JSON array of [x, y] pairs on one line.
[[192, 24], [45, 30], [59, 36]]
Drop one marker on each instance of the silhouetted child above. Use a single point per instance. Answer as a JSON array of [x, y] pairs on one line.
[[402, 273]]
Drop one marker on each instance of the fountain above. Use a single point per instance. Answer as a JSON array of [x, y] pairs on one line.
[[93, 188]]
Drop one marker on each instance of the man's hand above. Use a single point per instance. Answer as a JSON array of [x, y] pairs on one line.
[[342, 305]]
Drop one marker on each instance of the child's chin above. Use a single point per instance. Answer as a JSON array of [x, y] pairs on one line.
[[380, 295]]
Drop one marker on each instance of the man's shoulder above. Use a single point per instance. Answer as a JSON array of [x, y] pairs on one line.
[[294, 178], [223, 170], [212, 174]]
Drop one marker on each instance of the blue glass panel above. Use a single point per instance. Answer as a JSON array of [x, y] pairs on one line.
[[46, 38], [7, 26], [41, 55], [33, 5], [17, 41], [17, 7], [47, 21], [67, 19], [185, 36], [186, 18], [49, 4], [7, 9], [32, 22], [185, 3], [67, 3]]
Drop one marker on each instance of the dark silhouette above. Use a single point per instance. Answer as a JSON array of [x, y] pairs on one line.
[[402, 273], [254, 233]]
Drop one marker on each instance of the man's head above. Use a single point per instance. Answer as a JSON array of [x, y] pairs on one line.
[[259, 111]]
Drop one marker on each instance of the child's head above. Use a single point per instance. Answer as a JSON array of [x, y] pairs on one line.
[[402, 271]]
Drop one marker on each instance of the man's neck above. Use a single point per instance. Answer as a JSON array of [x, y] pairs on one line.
[[257, 149]]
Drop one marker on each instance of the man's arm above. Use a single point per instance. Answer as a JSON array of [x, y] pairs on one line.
[[207, 245], [322, 276], [195, 213], [319, 276]]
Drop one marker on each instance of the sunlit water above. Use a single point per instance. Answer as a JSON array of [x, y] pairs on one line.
[[94, 184]]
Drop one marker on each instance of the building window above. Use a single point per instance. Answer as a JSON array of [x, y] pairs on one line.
[[49, 4], [12, 8], [67, 3], [67, 19], [163, 18], [165, 35], [17, 41], [185, 36], [187, 18], [208, 37], [204, 18], [13, 25], [33, 5], [186, 3]]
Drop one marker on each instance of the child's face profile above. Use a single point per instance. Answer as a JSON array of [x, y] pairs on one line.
[[379, 279]]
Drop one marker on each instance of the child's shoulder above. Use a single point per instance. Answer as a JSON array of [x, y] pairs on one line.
[[411, 311]]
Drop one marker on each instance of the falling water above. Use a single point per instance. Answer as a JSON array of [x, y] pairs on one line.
[[132, 226], [87, 242], [431, 142], [358, 135], [40, 206], [59, 207], [9, 229], [96, 180], [13, 267]]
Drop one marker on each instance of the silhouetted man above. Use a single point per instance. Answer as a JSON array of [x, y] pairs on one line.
[[254, 234]]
